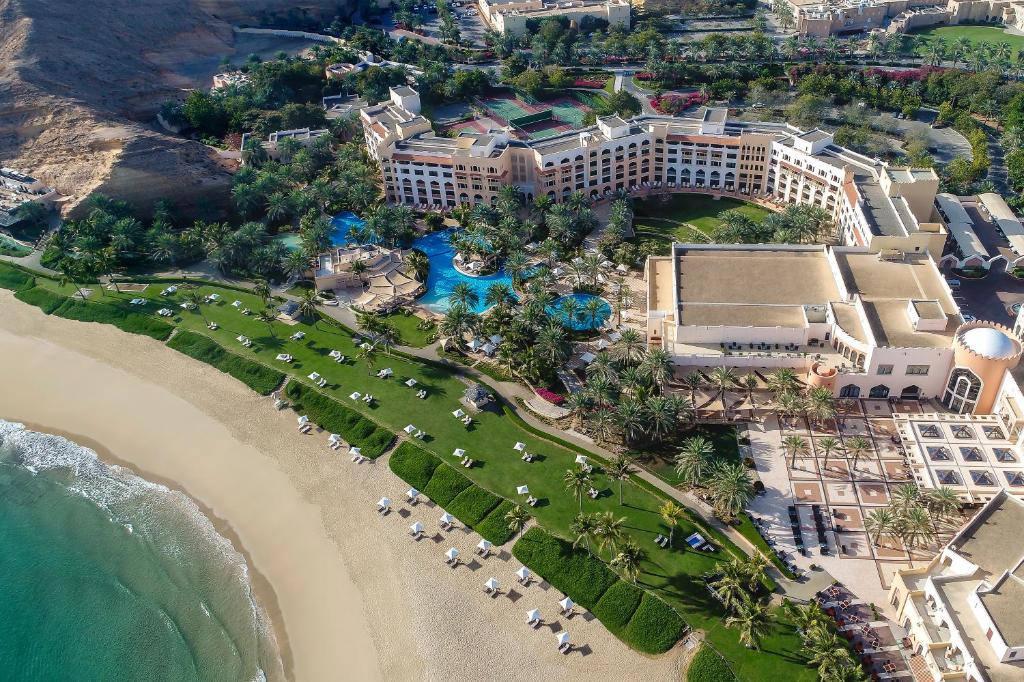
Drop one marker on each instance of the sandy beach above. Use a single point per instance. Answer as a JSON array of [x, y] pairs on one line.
[[350, 594]]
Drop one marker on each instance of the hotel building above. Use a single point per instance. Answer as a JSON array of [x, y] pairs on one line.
[[962, 611], [511, 16]]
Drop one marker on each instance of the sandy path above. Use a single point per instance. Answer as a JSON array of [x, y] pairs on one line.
[[351, 595]]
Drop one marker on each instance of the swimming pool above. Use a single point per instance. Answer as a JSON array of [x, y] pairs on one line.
[[443, 275], [341, 225], [582, 320]]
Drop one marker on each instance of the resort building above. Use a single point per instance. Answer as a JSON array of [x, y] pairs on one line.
[[873, 204], [962, 611], [380, 276], [512, 16], [222, 81], [304, 136], [17, 188]]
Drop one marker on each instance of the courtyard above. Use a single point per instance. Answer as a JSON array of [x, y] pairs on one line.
[[668, 218]]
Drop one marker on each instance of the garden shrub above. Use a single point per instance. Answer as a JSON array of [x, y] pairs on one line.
[[445, 485], [413, 465], [14, 279], [473, 504], [708, 666], [584, 578], [617, 605], [256, 376], [494, 527], [105, 313], [44, 299], [655, 626], [334, 417]]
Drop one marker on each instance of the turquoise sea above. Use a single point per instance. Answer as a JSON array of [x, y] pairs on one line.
[[106, 576]]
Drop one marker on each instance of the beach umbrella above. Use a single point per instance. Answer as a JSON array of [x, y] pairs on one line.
[[519, 447], [563, 638], [412, 493], [458, 414], [354, 451], [384, 503], [452, 554], [522, 490], [410, 383], [566, 604], [416, 528], [303, 420], [355, 395], [581, 459], [459, 452], [334, 438], [314, 376], [532, 616], [447, 519], [409, 429], [491, 584], [523, 573], [484, 545]]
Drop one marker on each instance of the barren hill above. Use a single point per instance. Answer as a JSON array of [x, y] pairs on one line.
[[80, 84]]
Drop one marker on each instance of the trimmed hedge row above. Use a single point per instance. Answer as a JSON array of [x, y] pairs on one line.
[[14, 279], [125, 320], [334, 417], [44, 299], [259, 378], [477, 508], [646, 623], [708, 666]]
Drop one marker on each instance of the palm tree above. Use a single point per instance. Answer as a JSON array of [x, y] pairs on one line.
[[783, 380], [658, 366], [943, 503], [806, 617], [795, 446], [608, 530], [420, 264], [193, 297], [757, 571], [905, 496], [631, 419], [620, 470], [671, 513], [731, 588], [369, 355], [753, 621], [577, 404], [602, 422], [880, 522], [465, 295], [307, 304], [749, 383], [828, 445], [267, 317], [458, 322], [262, 289], [694, 460], [584, 527], [629, 349], [603, 367], [628, 560], [592, 311], [857, 447], [731, 489], [517, 517], [916, 526], [723, 378], [821, 404], [577, 481], [693, 381]]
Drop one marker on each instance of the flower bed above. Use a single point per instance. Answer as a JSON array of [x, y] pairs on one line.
[[550, 396], [588, 83]]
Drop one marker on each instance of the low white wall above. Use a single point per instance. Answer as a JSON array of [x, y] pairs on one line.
[[318, 37]]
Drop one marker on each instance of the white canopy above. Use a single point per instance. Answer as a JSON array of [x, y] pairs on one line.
[[237, 304], [412, 493], [566, 604], [314, 376], [562, 637], [484, 544], [459, 452], [355, 395], [622, 268], [303, 420], [409, 429], [416, 527], [451, 554], [491, 584], [410, 383], [522, 490], [532, 615], [241, 339], [447, 518], [523, 573], [354, 451], [519, 447], [334, 438], [284, 357], [581, 459], [459, 414], [384, 502], [387, 371]]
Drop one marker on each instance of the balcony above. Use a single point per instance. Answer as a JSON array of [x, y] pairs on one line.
[[928, 619]]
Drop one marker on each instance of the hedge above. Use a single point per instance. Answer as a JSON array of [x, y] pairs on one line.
[[334, 417], [445, 485], [14, 279], [495, 526], [44, 299], [473, 504], [655, 627], [125, 320], [708, 666], [414, 465], [259, 378], [647, 624]]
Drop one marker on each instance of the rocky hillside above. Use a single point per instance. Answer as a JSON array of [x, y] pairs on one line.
[[80, 84]]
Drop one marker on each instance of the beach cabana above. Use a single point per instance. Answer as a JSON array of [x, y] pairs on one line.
[[447, 520], [458, 452], [416, 529], [383, 505], [355, 452], [566, 605], [303, 420], [522, 490], [334, 439], [458, 414], [475, 397], [519, 447], [563, 640], [483, 547], [410, 383], [451, 556], [491, 585], [412, 494], [533, 617], [410, 429], [581, 460], [523, 574]]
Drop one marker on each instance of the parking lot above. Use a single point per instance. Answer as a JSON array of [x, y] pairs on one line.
[[471, 26]]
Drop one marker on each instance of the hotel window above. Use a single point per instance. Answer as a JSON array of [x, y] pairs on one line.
[[919, 370], [884, 369]]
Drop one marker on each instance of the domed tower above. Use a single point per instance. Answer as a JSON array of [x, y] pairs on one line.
[[982, 352]]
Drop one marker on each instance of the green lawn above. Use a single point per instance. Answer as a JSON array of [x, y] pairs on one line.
[[672, 574], [10, 247], [407, 328], [975, 34], [700, 210]]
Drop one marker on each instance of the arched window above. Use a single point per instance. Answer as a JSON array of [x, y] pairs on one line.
[[911, 393], [962, 390], [879, 391], [849, 391]]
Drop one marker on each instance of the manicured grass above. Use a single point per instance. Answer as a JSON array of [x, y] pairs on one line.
[[44, 299], [12, 278], [722, 437], [258, 377], [117, 314], [699, 210], [708, 666], [473, 505], [407, 329], [415, 466], [445, 484], [976, 34], [495, 526], [9, 247], [674, 575], [334, 417], [646, 623]]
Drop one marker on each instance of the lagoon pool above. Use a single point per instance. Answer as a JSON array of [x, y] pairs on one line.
[[341, 227], [443, 275], [582, 321]]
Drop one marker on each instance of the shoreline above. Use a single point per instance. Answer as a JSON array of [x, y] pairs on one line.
[[348, 593]]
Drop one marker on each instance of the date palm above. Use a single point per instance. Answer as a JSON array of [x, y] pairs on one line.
[[465, 295], [267, 317], [693, 381], [723, 378], [916, 527], [857, 447], [881, 522], [905, 496], [828, 445], [608, 530], [583, 527], [731, 489], [694, 461], [603, 367], [602, 422], [661, 417], [577, 481], [731, 589], [517, 517], [631, 418], [783, 380], [262, 289], [629, 349], [671, 513], [658, 366], [577, 403], [943, 503], [620, 470], [628, 560], [796, 446], [753, 622]]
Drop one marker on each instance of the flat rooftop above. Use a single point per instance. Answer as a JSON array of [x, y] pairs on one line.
[[984, 542], [731, 315]]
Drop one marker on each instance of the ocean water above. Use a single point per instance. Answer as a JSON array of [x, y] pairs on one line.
[[106, 576]]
